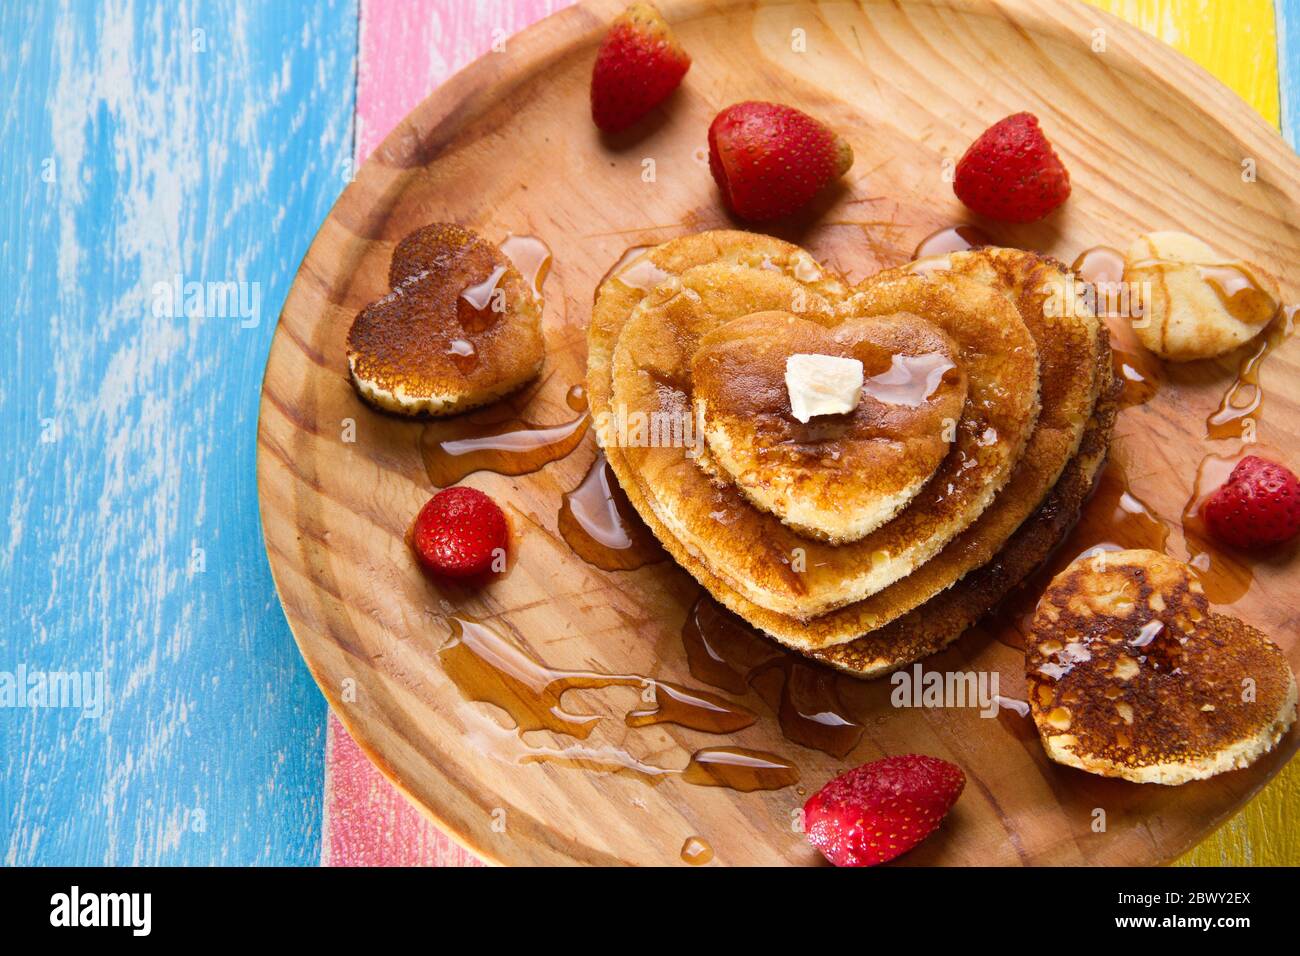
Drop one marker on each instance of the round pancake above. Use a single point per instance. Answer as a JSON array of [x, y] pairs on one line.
[[835, 477], [461, 327], [768, 563], [1132, 676], [1070, 386]]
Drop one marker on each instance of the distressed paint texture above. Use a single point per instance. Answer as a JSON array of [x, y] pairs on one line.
[[206, 139]]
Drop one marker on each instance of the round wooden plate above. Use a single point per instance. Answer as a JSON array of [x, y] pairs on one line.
[[507, 146]]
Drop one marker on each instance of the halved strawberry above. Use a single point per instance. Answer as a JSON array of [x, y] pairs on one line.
[[879, 811], [638, 65], [460, 533], [770, 160]]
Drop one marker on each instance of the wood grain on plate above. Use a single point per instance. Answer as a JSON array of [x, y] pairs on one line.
[[896, 79]]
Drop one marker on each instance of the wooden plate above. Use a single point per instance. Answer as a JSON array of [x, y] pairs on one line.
[[507, 147]]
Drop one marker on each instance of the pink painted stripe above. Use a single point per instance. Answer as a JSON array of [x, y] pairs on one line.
[[408, 47], [368, 823]]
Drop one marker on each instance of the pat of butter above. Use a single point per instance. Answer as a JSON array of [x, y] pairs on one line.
[[822, 385]]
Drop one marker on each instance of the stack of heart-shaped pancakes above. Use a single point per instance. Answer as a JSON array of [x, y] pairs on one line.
[[870, 538]]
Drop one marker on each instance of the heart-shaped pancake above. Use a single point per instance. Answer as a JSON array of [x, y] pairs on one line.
[[1132, 675], [645, 341], [923, 611], [460, 328], [835, 477]]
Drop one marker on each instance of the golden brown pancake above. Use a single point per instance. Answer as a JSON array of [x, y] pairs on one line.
[[1070, 387], [1131, 675], [717, 528], [460, 328], [835, 477], [1075, 368], [932, 626]]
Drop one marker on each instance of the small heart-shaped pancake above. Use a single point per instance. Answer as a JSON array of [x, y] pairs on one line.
[[1131, 675], [836, 477], [461, 327]]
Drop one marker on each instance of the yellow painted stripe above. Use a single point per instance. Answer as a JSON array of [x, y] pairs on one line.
[[1237, 42]]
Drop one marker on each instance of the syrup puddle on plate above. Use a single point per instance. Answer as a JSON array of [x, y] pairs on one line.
[[933, 253], [629, 255], [601, 526], [696, 851], [489, 668], [499, 439], [960, 238], [725, 652]]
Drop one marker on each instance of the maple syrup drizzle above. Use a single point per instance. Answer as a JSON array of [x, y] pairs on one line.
[[1242, 401], [576, 398], [602, 527], [532, 257], [497, 438], [479, 295], [643, 275], [726, 653], [910, 380], [961, 238], [731, 767], [1236, 287], [696, 851], [737, 768], [1136, 368], [486, 667], [490, 668], [629, 255]]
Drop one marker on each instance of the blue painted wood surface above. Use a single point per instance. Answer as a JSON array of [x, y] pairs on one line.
[[1288, 68], [144, 141]]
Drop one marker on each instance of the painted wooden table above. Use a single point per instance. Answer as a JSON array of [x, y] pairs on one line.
[[166, 165]]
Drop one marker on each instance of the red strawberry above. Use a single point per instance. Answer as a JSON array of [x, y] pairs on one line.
[[882, 809], [1012, 173], [1258, 506], [639, 63], [770, 160], [459, 533]]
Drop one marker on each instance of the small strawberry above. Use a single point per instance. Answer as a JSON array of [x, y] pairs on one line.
[[459, 533], [1012, 173], [882, 809], [638, 65], [1258, 506], [770, 160]]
